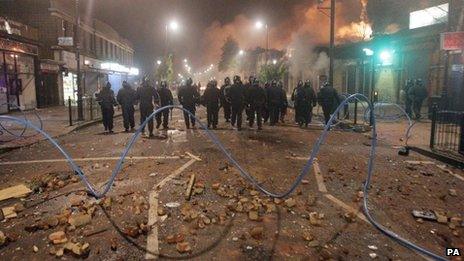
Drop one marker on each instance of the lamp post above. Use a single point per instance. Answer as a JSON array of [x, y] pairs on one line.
[[173, 25], [80, 109], [332, 35], [260, 25]]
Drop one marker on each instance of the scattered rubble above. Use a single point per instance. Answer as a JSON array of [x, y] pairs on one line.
[[58, 237], [183, 247], [257, 232]]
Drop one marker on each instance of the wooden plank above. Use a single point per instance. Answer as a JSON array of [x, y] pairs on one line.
[[188, 192], [18, 191], [319, 178]]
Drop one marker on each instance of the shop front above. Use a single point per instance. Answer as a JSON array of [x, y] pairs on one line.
[[17, 75]]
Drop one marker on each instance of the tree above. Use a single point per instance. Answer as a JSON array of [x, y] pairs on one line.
[[230, 50], [165, 71], [269, 72]]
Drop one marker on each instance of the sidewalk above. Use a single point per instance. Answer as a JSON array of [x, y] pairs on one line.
[[55, 121]]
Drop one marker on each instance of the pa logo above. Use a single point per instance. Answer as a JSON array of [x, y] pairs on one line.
[[453, 251]]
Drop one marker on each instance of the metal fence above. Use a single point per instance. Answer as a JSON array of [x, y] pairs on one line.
[[447, 133], [91, 110]]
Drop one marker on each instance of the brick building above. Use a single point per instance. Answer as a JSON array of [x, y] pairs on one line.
[[18, 65], [105, 55]]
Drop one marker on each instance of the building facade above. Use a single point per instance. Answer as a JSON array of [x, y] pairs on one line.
[[105, 56], [382, 65], [18, 66]]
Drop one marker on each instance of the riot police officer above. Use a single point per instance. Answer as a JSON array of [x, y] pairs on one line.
[[236, 95], [211, 99], [248, 87], [283, 101], [418, 95], [147, 96], [225, 103], [328, 99], [298, 101], [189, 97], [408, 100], [257, 97], [107, 102], [267, 86], [309, 101], [165, 96], [126, 98], [274, 103]]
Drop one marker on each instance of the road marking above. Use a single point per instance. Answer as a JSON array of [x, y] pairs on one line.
[[175, 173], [152, 239], [87, 159], [319, 178], [346, 207], [418, 162], [192, 156], [443, 167]]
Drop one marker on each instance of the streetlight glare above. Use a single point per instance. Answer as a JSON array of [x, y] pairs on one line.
[[274, 61], [158, 62], [173, 25], [185, 60], [259, 24], [241, 52]]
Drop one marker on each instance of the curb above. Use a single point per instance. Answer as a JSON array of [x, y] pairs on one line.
[[74, 128]]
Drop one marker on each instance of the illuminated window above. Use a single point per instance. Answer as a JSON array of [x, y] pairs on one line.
[[429, 16]]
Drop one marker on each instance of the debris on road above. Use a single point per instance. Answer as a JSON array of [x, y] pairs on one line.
[[18, 191], [58, 237], [188, 192]]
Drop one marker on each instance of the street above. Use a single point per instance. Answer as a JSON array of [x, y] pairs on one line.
[[147, 213]]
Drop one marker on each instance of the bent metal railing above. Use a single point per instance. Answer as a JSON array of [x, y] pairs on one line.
[[447, 132]]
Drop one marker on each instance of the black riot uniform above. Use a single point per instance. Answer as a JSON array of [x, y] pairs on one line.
[[147, 97], [297, 101], [408, 98], [225, 103], [257, 96], [211, 99], [236, 95], [305, 100], [267, 86], [274, 100], [283, 101], [106, 100], [418, 94], [328, 99], [188, 97], [165, 96], [248, 86], [126, 98]]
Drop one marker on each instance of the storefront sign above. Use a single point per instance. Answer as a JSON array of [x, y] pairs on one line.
[[49, 67], [452, 41], [65, 41], [14, 46]]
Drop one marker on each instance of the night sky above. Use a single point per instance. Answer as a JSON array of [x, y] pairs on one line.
[[204, 24]]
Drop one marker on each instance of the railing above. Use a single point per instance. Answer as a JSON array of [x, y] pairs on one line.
[[90, 108], [447, 133]]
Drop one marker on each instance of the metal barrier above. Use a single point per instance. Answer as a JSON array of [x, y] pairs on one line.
[[91, 110], [447, 132]]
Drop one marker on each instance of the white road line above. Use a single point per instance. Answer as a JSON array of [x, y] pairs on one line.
[[175, 173], [87, 159], [346, 207], [152, 239], [319, 178], [443, 167]]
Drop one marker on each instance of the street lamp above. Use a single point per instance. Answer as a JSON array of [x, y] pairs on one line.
[[241, 53], [259, 25], [274, 61], [158, 62], [173, 26], [185, 60]]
